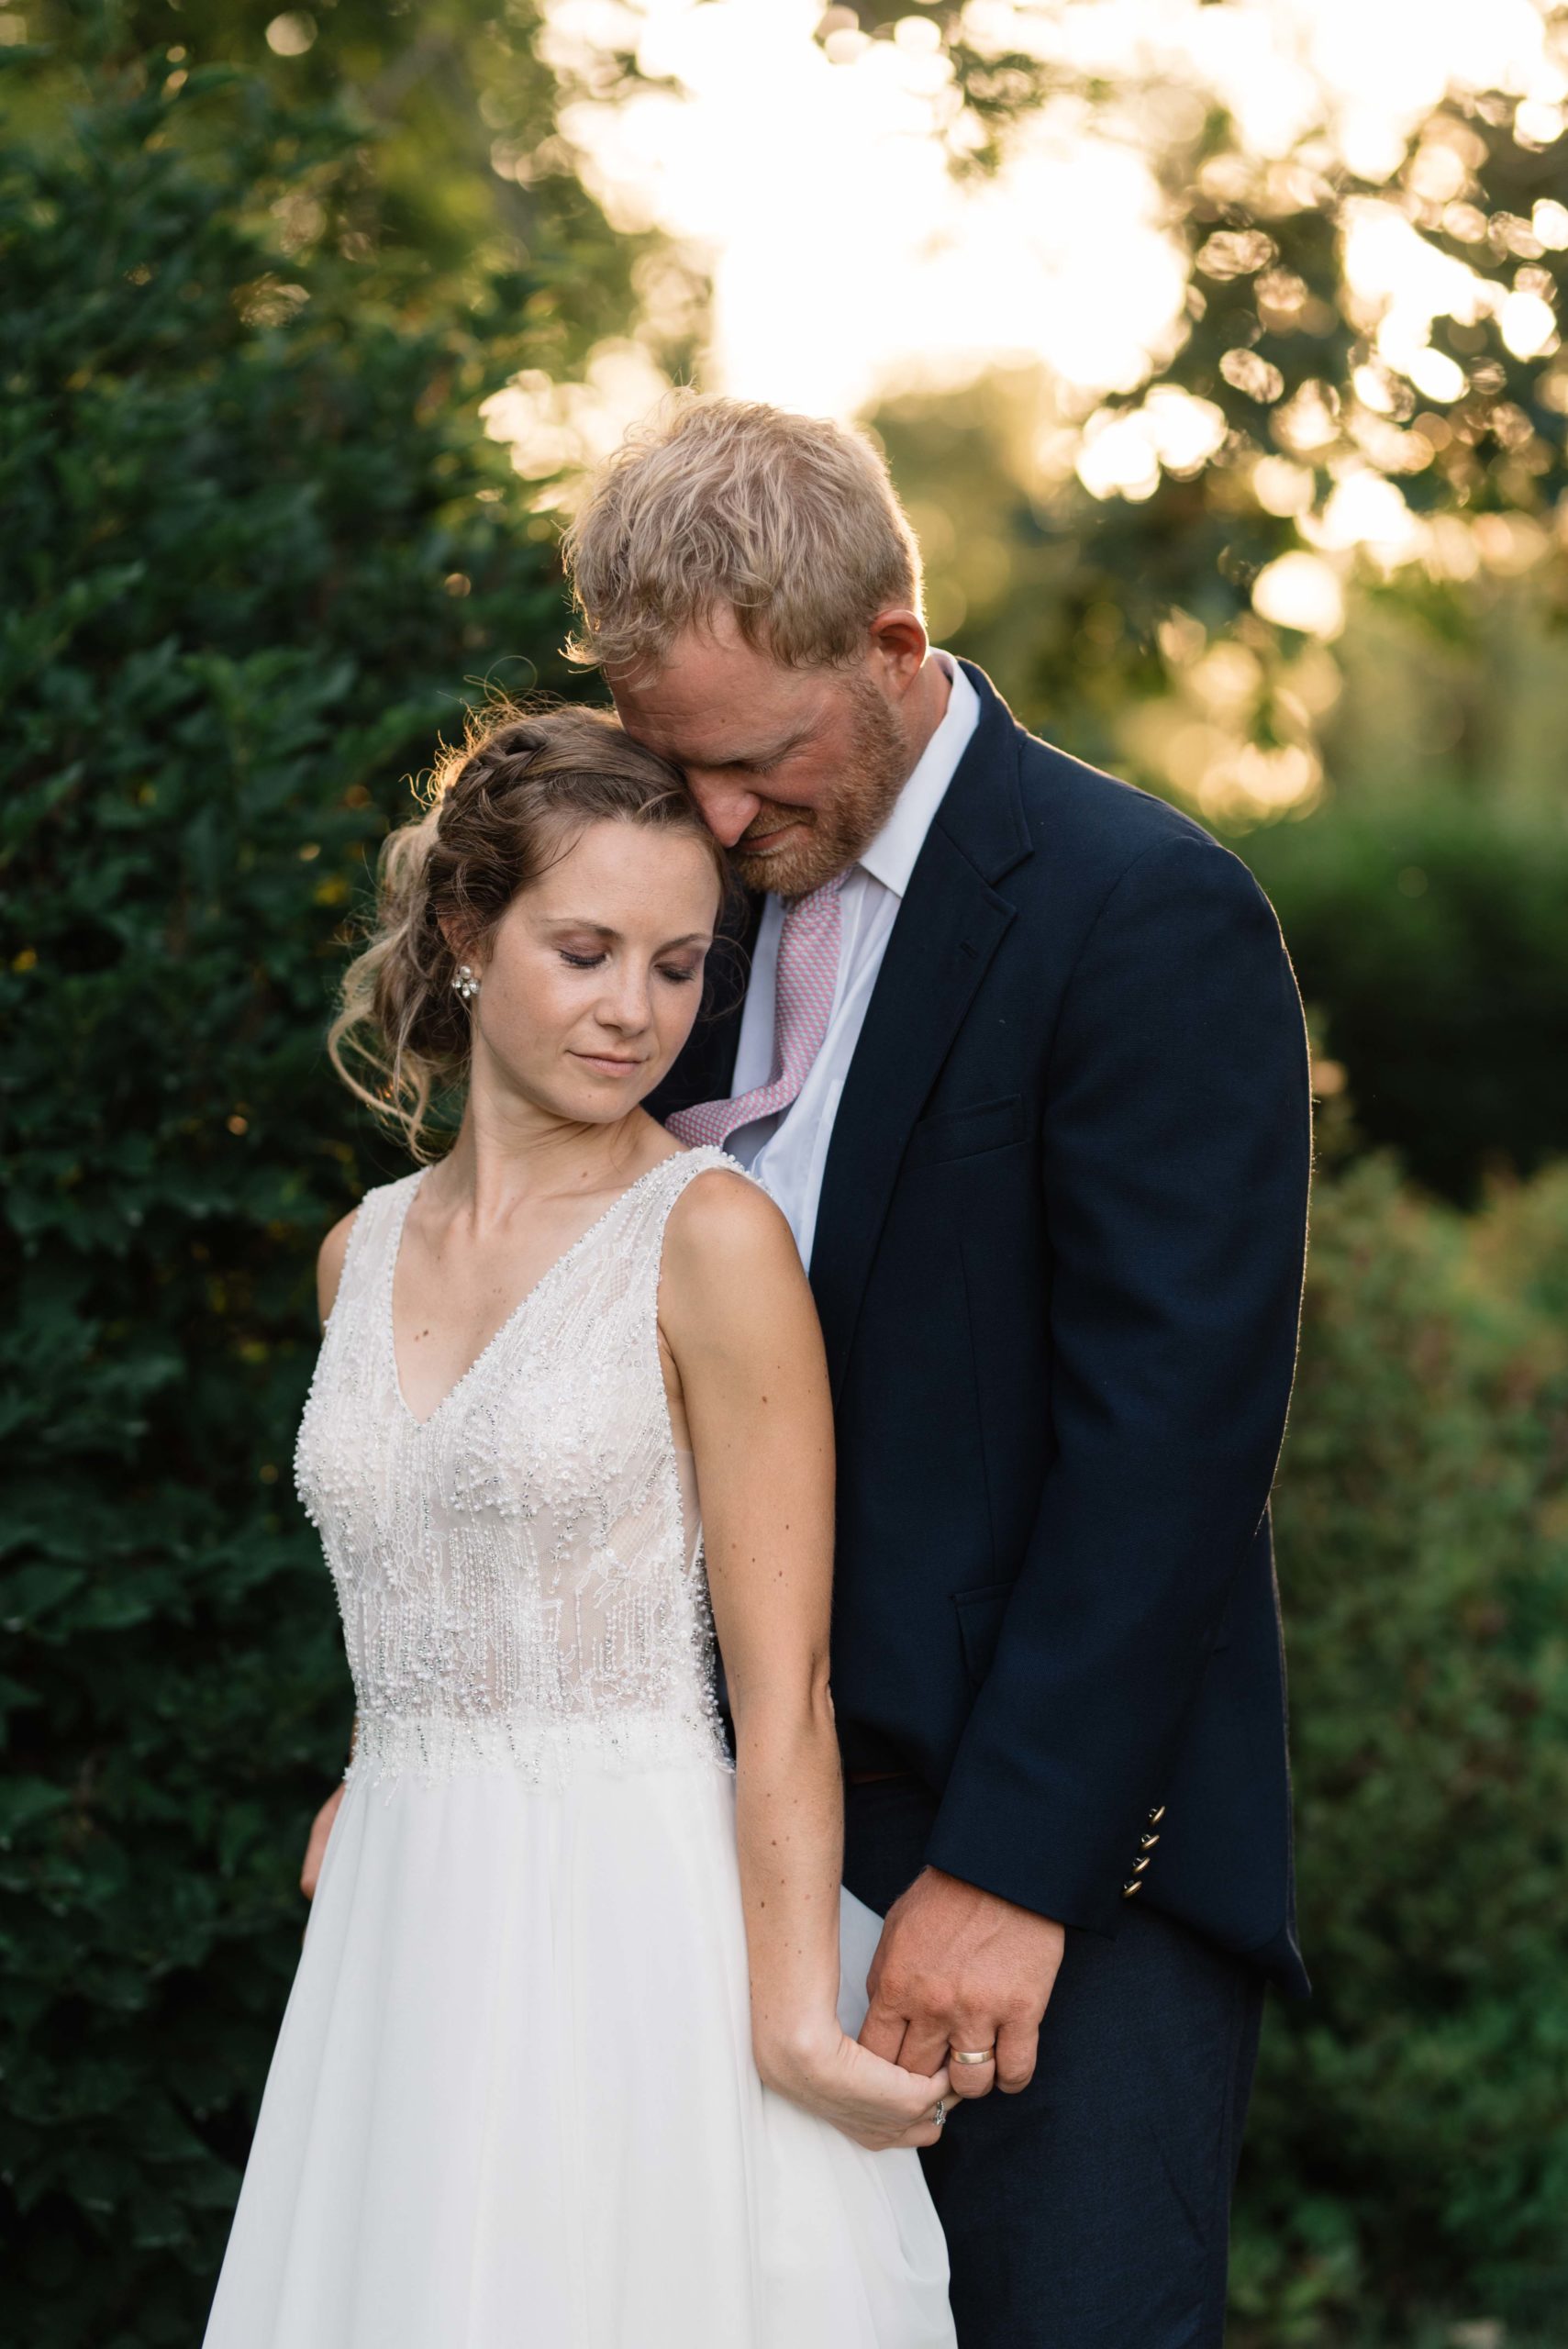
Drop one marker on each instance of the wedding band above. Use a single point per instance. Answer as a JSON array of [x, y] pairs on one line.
[[941, 2114], [973, 2055]]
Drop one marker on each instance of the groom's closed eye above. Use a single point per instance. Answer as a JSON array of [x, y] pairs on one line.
[[762, 761]]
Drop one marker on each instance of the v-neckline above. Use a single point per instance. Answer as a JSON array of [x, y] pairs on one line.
[[557, 1263]]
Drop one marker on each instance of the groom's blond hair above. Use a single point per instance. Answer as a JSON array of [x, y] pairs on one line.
[[791, 522]]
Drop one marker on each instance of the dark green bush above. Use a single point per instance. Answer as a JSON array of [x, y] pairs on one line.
[[256, 544], [1409, 2145], [1430, 937]]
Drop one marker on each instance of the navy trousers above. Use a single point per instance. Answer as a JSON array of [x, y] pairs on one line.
[[1092, 2211]]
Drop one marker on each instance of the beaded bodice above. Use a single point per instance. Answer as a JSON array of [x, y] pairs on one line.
[[520, 1574]]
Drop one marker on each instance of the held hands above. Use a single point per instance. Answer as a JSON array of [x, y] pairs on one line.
[[316, 1848], [877, 2104], [960, 1968]]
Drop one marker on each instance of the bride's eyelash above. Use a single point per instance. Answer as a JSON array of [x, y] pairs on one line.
[[592, 963]]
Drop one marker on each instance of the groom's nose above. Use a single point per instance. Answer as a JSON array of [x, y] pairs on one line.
[[726, 806]]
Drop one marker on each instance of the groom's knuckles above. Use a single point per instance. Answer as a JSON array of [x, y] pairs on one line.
[[916, 1992]]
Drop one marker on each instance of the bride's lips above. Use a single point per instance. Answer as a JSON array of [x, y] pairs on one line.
[[607, 1063]]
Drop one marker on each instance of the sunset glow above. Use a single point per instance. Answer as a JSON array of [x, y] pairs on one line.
[[812, 180]]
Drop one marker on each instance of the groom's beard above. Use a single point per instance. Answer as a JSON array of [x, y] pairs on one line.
[[834, 832]]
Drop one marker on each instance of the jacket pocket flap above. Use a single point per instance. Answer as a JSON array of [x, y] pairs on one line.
[[965, 1133]]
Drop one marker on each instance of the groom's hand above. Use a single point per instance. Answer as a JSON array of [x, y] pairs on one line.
[[961, 1969]]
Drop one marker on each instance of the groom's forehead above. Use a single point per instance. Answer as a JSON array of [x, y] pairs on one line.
[[702, 713]]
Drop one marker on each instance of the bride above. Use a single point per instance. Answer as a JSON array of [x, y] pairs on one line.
[[568, 2062]]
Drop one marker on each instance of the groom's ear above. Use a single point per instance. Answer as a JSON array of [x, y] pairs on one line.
[[899, 644]]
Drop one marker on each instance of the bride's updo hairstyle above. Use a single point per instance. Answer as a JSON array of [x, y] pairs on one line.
[[499, 812]]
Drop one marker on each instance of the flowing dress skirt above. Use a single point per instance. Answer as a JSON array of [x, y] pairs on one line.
[[513, 2104]]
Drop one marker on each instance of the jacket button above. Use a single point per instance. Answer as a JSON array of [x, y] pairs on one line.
[[1157, 1814], [1128, 1889], [1147, 1843], [1138, 1866]]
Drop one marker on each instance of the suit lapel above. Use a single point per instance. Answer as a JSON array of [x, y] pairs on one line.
[[949, 926]]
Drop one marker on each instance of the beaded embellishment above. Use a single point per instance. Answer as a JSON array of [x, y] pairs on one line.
[[520, 1585]]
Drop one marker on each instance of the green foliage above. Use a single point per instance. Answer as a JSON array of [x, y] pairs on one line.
[[257, 544], [1409, 2144], [1429, 937], [455, 173]]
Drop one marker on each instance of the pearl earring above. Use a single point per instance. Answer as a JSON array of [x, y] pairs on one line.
[[466, 982]]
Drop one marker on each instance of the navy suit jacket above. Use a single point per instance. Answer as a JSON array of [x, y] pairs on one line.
[[1057, 1262]]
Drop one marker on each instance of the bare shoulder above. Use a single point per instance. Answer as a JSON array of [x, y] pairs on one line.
[[722, 1217], [734, 1308], [329, 1262], [725, 1244]]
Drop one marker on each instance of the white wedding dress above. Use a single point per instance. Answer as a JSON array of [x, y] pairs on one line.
[[513, 2103]]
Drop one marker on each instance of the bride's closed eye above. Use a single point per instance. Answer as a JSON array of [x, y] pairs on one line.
[[681, 976]]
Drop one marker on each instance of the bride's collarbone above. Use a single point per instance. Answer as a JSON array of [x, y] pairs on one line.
[[455, 1292]]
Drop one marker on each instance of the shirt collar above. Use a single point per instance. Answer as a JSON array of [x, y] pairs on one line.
[[891, 857]]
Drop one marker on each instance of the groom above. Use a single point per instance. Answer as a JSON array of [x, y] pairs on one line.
[[1022, 1060]]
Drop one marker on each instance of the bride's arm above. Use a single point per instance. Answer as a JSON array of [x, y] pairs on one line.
[[329, 1273], [738, 1319]]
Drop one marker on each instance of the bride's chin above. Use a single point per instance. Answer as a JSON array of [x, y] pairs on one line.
[[583, 1097]]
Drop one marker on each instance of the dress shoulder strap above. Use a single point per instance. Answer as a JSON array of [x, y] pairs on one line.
[[656, 1197], [377, 1220], [678, 1172]]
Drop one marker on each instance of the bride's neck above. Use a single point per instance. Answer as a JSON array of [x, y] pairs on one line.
[[510, 1150]]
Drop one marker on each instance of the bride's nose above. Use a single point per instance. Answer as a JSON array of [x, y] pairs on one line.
[[626, 1003]]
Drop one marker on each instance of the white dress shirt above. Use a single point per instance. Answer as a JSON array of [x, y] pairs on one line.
[[789, 1149]]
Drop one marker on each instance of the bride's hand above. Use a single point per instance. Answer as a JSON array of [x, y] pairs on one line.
[[870, 2099], [316, 1848]]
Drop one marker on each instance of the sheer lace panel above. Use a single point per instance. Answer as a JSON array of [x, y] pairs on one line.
[[520, 1574]]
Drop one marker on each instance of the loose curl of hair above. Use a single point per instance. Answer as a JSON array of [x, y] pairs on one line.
[[501, 810]]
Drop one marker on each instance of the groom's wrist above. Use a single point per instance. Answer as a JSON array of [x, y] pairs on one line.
[[1064, 1886]]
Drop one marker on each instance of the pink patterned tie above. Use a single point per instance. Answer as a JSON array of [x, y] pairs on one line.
[[803, 997]]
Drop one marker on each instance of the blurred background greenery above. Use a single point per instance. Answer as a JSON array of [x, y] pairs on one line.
[[1255, 493]]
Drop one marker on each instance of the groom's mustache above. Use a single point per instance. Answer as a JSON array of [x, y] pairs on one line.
[[773, 816]]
